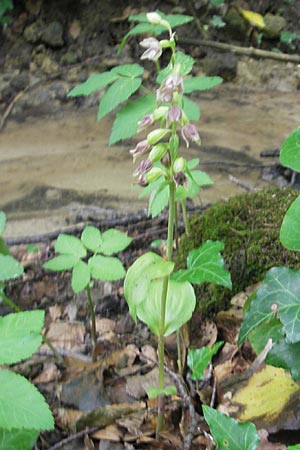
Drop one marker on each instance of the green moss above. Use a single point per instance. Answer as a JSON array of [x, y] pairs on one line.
[[249, 226]]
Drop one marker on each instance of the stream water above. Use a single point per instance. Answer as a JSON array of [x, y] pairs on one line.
[[56, 170]]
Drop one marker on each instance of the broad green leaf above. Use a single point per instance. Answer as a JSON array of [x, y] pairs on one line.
[[4, 5], [22, 405], [271, 329], [17, 439], [93, 83], [10, 268], [2, 222], [32, 248], [293, 447], [91, 238], [154, 392], [201, 178], [186, 64], [287, 356], [4, 250], [290, 151], [192, 163], [70, 245], [158, 200], [117, 93], [280, 294], [255, 19], [114, 241], [216, 3], [181, 302], [230, 434], [290, 228], [126, 122], [137, 281], [191, 109], [141, 28], [128, 70], [20, 335], [80, 276], [199, 358], [151, 187], [61, 262], [205, 264], [106, 268], [201, 83]]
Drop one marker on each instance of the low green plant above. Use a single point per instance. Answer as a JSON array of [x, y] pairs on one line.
[[158, 296], [98, 249], [23, 410], [5, 5]]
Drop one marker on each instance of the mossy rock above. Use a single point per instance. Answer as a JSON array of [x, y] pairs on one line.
[[249, 226]]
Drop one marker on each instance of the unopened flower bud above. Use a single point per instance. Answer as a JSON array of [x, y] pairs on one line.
[[158, 151], [179, 165], [160, 112], [166, 159], [165, 43], [154, 18], [180, 179], [156, 135], [153, 174]]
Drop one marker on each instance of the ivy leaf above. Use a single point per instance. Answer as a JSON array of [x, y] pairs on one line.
[[10, 268], [61, 262], [199, 358], [230, 434], [114, 241], [117, 93], [205, 264], [154, 392], [286, 356], [22, 405], [126, 122], [191, 109], [17, 439], [271, 329], [20, 335], [91, 238], [290, 228], [158, 199], [2, 222], [290, 151], [93, 83], [200, 83], [137, 281], [80, 276], [70, 245], [106, 268], [180, 304], [128, 70], [280, 294]]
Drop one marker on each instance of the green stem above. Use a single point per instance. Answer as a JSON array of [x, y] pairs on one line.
[[185, 218], [179, 357], [161, 343], [10, 303], [93, 327]]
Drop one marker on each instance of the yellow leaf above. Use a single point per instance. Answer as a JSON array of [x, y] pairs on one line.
[[267, 397], [255, 19]]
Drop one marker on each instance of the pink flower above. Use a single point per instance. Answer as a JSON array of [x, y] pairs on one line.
[[140, 149], [180, 179], [173, 83], [174, 113], [154, 49], [146, 122], [190, 133], [143, 168]]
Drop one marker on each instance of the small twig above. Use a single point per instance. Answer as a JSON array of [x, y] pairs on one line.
[[241, 183], [73, 437]]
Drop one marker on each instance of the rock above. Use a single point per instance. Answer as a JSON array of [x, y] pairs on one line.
[[52, 34], [221, 64], [236, 25], [49, 66], [20, 81], [274, 25], [32, 33], [69, 58]]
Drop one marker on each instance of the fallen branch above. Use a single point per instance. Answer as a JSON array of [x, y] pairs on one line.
[[247, 51], [73, 437]]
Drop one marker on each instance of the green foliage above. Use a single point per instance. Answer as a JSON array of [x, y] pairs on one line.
[[199, 358], [153, 392], [5, 5], [201, 83], [293, 447], [9, 268], [230, 434], [290, 151], [289, 38], [100, 265], [217, 22], [17, 439], [216, 3]]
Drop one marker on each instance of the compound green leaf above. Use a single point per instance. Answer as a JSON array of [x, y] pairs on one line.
[[201, 83], [2, 222], [80, 276], [128, 70], [16, 439], [137, 281], [290, 228], [154, 392], [91, 238], [191, 109], [199, 358], [126, 122], [230, 434], [181, 302], [117, 93], [22, 405], [106, 268], [205, 264], [10, 268], [114, 241], [278, 294], [93, 83], [20, 335], [290, 151], [70, 245], [61, 262]]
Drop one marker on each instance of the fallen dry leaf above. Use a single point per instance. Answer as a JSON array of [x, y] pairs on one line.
[[67, 335]]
